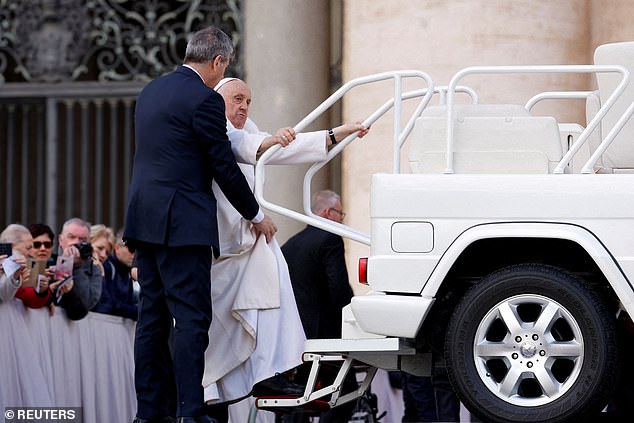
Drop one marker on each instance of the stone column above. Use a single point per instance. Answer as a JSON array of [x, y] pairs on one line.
[[287, 58], [610, 21]]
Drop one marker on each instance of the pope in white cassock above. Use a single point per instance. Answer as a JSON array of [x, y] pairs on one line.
[[256, 331]]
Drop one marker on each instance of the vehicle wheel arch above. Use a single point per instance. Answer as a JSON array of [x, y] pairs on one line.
[[483, 249]]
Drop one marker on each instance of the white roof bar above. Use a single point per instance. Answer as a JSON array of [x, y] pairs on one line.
[[334, 227], [625, 76]]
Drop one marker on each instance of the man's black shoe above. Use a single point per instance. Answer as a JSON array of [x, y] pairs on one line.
[[277, 385], [158, 420]]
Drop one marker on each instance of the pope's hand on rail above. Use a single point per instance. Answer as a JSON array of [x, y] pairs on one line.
[[346, 129], [284, 136]]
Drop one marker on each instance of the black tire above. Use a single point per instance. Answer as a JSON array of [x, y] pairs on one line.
[[546, 347]]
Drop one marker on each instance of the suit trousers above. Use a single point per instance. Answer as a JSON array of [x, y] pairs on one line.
[[175, 296], [429, 399]]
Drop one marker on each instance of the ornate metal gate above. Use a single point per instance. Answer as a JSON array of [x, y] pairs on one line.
[[70, 71]]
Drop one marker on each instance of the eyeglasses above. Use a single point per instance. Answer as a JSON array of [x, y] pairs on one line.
[[39, 244], [341, 213]]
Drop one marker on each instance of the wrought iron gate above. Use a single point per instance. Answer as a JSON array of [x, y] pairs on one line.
[[70, 71], [67, 154]]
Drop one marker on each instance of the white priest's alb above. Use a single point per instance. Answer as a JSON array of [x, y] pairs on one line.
[[256, 330]]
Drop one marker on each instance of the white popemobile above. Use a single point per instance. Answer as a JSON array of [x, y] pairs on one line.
[[507, 254]]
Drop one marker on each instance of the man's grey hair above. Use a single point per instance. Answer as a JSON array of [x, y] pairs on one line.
[[76, 221], [119, 237], [206, 44], [14, 233], [324, 200]]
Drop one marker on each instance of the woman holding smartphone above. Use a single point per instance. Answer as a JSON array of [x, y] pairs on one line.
[[42, 250], [34, 292]]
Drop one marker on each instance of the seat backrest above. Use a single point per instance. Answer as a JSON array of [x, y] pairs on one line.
[[619, 157], [487, 139]]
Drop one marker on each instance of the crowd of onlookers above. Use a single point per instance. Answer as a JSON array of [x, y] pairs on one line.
[[68, 306]]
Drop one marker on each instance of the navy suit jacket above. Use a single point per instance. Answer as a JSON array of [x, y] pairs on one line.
[[181, 146]]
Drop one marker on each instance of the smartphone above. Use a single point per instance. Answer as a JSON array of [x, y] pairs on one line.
[[38, 267], [6, 249], [66, 280], [63, 267], [59, 296]]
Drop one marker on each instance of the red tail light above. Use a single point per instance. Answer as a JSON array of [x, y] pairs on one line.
[[363, 270]]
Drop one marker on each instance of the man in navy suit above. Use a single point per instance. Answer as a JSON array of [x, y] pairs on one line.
[[181, 146]]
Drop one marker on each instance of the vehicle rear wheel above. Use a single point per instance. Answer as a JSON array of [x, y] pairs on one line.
[[532, 343]]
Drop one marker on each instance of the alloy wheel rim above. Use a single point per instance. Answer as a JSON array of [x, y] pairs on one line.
[[528, 350]]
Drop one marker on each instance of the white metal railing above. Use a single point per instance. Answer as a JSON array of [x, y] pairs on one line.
[[588, 166], [446, 96], [556, 95], [399, 138], [440, 90]]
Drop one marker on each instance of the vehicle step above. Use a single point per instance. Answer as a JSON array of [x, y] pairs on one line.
[[397, 346], [290, 405]]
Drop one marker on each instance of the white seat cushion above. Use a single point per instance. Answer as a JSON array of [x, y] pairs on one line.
[[487, 140]]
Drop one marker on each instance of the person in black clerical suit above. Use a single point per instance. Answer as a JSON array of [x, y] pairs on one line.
[[181, 146], [316, 262]]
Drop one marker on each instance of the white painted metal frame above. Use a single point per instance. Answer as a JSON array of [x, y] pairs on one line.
[[334, 350], [588, 167], [333, 390], [556, 95], [446, 93], [399, 139]]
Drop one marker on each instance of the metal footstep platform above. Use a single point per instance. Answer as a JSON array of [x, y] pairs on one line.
[[272, 404], [370, 354]]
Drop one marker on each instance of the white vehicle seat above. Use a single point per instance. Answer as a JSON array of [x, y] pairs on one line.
[[488, 138], [619, 157]]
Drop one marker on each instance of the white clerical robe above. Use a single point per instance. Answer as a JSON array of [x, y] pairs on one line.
[[256, 330]]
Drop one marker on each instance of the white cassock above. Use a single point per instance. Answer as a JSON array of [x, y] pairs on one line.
[[256, 330]]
